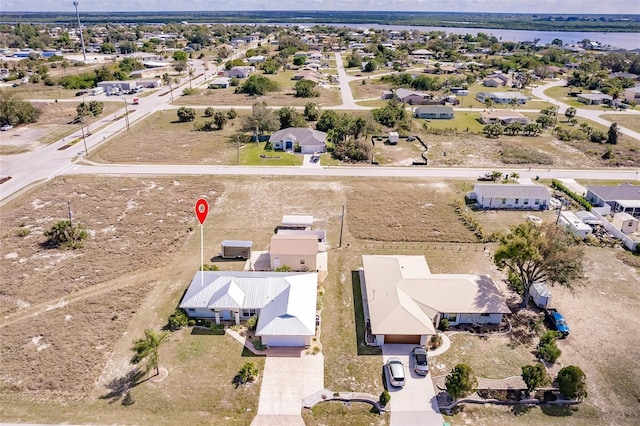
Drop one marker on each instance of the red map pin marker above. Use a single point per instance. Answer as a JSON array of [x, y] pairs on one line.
[[202, 209]]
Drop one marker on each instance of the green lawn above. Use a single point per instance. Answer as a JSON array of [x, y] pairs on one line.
[[250, 155]]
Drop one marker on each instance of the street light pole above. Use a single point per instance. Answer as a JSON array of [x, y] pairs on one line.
[[84, 138], [126, 113], [84, 53]]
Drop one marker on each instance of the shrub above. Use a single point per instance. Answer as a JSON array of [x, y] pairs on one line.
[[534, 376], [23, 232], [64, 234], [283, 268], [251, 322], [217, 328], [572, 382], [186, 114], [191, 323], [385, 397], [207, 267], [248, 372], [461, 381], [208, 112], [178, 319], [556, 184], [257, 343], [444, 324], [435, 341], [231, 114], [189, 91], [547, 349]]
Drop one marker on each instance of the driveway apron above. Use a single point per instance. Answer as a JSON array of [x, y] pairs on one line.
[[415, 404], [288, 377]]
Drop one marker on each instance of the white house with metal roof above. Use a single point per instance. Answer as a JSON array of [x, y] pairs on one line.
[[405, 302], [306, 140], [284, 302], [511, 196]]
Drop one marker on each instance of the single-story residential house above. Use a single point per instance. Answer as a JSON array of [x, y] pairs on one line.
[[511, 196], [502, 97], [256, 59], [221, 82], [297, 251], [421, 54], [497, 80], [502, 116], [411, 97], [307, 140], [109, 86], [621, 198], [632, 94], [405, 301], [241, 72], [306, 74], [284, 302], [594, 98], [435, 112]]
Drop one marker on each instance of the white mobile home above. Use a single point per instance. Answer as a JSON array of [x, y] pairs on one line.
[[511, 196], [573, 224]]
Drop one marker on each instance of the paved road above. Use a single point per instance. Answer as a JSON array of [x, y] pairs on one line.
[[348, 171], [591, 114]]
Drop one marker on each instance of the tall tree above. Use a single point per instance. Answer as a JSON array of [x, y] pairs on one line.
[[461, 381], [572, 382], [147, 348], [545, 253], [261, 119], [612, 135]]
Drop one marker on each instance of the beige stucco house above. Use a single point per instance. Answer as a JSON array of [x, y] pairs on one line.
[[405, 301], [299, 252]]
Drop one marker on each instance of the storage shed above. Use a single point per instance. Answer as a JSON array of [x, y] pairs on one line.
[[394, 137], [235, 249], [541, 295], [625, 222]]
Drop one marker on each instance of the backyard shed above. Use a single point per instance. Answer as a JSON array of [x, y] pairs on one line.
[[541, 295], [394, 137], [235, 249], [625, 222]]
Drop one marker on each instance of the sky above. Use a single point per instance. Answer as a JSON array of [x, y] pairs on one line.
[[513, 6]]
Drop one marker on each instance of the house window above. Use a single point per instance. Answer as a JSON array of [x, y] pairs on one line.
[[248, 312], [302, 262], [517, 200], [484, 315], [451, 317], [191, 310], [504, 201], [525, 202], [537, 201]]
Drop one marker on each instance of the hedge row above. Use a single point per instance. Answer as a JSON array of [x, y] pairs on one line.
[[472, 224], [556, 184]]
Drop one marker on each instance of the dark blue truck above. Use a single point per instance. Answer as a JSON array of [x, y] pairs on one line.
[[556, 321]]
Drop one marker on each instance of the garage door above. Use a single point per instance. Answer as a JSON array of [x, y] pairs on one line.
[[285, 340], [402, 338]]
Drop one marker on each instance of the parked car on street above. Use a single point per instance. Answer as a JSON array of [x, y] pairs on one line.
[[556, 321], [395, 372], [420, 363]]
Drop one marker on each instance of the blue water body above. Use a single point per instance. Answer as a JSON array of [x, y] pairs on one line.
[[627, 41]]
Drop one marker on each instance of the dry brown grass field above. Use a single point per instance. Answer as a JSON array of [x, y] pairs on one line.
[[70, 316], [285, 97]]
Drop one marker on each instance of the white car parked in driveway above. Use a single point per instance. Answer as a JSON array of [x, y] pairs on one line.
[[6, 127]]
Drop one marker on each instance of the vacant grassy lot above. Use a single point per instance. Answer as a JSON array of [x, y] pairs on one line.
[[406, 210], [625, 120], [285, 97], [161, 138]]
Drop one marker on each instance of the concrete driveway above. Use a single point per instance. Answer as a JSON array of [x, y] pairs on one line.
[[415, 404], [289, 375]]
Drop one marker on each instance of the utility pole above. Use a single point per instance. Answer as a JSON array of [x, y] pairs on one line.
[[341, 226], [126, 113], [84, 53], [70, 214], [84, 138], [237, 151]]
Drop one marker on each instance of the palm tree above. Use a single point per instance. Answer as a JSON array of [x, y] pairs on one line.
[[515, 176], [147, 348]]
